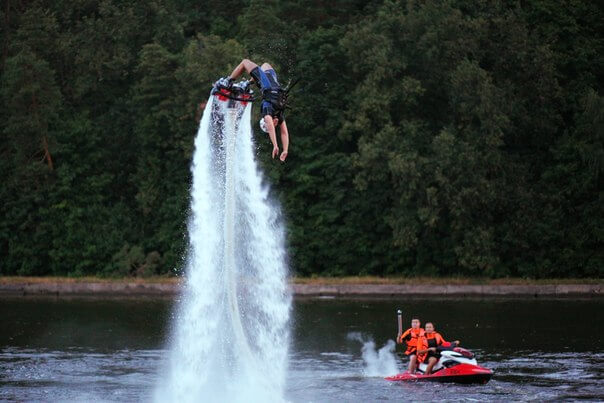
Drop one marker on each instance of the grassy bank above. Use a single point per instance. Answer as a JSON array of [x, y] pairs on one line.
[[370, 280], [442, 280], [90, 279]]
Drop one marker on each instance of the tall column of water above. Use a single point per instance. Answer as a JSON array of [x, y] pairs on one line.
[[230, 335]]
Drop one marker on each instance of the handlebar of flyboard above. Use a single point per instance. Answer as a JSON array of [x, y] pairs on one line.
[[400, 322]]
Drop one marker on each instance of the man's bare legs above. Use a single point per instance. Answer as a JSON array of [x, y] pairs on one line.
[[266, 66], [245, 65], [412, 363], [431, 362], [248, 65]]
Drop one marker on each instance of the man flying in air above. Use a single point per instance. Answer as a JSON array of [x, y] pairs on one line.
[[273, 104]]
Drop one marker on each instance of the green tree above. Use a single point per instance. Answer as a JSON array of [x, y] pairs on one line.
[[31, 103]]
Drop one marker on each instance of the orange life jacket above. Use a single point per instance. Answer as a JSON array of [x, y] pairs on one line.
[[426, 341], [411, 337]]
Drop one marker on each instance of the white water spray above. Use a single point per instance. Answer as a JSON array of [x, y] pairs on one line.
[[230, 337], [382, 362]]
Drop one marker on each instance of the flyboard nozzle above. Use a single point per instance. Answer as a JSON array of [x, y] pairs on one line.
[[400, 322]]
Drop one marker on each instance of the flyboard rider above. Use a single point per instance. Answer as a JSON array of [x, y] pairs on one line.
[[273, 101]]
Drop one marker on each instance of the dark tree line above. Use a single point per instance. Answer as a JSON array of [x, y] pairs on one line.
[[428, 137]]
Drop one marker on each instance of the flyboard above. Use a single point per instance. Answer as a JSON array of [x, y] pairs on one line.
[[228, 105]]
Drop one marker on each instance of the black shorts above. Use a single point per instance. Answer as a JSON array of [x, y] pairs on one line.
[[265, 79], [432, 354]]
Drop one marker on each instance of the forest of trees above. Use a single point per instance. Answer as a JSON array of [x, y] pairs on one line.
[[433, 138]]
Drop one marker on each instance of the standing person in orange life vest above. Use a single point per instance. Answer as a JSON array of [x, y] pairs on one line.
[[411, 337], [427, 347]]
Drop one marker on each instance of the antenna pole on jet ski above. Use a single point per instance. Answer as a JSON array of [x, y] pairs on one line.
[[399, 313]]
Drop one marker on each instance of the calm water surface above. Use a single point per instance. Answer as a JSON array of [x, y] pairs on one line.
[[84, 349]]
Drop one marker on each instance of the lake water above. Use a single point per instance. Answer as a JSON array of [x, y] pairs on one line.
[[85, 349]]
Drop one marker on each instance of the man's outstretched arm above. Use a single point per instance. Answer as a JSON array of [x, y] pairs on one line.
[[284, 141], [270, 126]]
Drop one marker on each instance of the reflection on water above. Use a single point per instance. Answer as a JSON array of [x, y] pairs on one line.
[[93, 349]]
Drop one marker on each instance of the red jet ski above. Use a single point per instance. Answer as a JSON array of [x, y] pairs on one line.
[[456, 365]]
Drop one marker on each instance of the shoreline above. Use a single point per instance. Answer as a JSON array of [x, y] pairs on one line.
[[312, 288]]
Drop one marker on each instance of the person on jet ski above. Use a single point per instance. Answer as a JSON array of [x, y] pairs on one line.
[[273, 104], [427, 347], [411, 337]]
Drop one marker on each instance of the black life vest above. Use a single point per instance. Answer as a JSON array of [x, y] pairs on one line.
[[277, 97]]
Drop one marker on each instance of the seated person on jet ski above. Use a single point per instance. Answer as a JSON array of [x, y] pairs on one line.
[[272, 108], [411, 337], [427, 347]]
